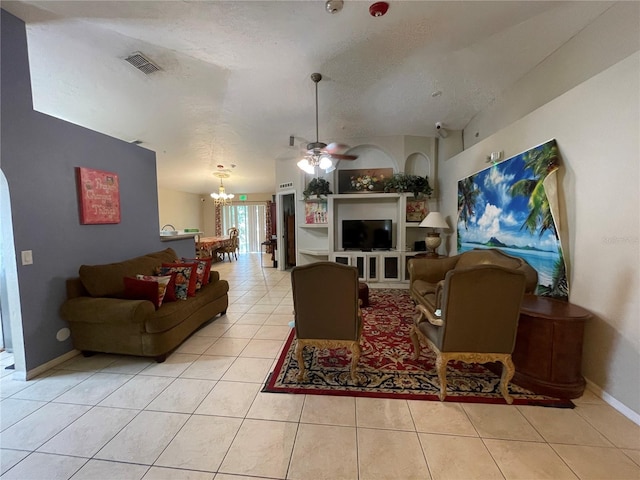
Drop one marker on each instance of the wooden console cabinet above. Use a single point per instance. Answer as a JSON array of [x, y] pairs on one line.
[[548, 351]]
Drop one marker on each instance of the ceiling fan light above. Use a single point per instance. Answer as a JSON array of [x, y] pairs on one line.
[[325, 162], [305, 165]]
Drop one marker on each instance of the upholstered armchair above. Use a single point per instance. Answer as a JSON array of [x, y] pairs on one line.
[[326, 310], [427, 274], [476, 321]]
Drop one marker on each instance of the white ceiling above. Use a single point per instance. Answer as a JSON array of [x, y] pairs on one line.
[[235, 75]]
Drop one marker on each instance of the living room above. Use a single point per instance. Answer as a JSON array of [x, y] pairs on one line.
[[584, 95]]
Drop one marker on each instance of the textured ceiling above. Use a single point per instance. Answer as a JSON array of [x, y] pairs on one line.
[[235, 83]]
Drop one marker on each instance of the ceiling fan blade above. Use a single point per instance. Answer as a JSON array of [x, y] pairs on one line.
[[335, 147], [340, 156]]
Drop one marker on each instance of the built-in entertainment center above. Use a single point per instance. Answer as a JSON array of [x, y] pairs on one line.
[[367, 235], [368, 230]]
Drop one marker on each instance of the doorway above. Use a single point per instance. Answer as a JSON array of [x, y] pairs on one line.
[[286, 226]]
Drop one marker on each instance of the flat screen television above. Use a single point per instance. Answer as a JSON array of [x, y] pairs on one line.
[[366, 234]]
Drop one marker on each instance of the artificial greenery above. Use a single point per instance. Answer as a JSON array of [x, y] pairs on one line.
[[317, 186], [404, 182]]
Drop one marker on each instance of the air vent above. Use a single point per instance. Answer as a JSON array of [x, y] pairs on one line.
[[142, 63], [285, 185]]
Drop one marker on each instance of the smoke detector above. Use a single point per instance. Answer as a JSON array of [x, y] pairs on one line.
[[378, 9]]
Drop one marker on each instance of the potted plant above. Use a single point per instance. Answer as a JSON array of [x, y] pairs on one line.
[[317, 186], [404, 182]]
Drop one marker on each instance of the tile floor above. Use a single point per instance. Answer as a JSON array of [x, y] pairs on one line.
[[201, 416]]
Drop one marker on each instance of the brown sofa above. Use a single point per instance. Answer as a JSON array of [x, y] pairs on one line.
[[102, 322], [427, 274]]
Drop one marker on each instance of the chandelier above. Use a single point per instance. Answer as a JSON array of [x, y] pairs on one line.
[[222, 198]]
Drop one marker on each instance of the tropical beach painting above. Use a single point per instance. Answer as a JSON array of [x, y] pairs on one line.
[[512, 206]]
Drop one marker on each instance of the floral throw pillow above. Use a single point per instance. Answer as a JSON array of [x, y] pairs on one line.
[[203, 271], [183, 273]]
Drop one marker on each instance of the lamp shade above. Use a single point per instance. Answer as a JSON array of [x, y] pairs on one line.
[[434, 220]]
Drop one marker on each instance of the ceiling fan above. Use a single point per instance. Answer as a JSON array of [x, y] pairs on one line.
[[320, 154]]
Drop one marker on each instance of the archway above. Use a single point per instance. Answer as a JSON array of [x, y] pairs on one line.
[[9, 291]]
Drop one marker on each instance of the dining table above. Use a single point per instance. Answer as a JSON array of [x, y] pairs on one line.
[[208, 245]]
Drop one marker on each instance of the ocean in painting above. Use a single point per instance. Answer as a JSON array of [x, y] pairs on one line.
[[542, 261]]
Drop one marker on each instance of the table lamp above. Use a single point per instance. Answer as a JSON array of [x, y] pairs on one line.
[[432, 240]]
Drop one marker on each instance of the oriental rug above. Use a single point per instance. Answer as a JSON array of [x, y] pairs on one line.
[[386, 369]]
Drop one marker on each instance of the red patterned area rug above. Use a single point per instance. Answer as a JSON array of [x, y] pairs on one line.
[[386, 370]]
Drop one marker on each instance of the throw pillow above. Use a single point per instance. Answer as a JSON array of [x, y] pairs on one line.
[[185, 278], [135, 289], [170, 294], [162, 285], [203, 271]]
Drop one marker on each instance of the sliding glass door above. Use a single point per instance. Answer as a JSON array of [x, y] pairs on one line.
[[250, 220]]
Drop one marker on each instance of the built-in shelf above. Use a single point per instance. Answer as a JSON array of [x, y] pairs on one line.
[[314, 253], [323, 241], [322, 199], [362, 196]]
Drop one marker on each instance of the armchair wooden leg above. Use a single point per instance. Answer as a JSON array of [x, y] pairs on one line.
[[416, 343], [441, 368], [508, 370], [355, 358], [300, 359]]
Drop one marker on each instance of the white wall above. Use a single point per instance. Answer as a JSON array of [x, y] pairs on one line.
[[190, 210], [611, 37], [180, 209], [597, 128]]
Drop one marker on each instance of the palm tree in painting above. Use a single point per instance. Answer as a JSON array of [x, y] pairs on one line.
[[467, 194], [541, 162], [559, 287]]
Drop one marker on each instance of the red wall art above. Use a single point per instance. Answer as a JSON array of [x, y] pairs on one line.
[[99, 196]]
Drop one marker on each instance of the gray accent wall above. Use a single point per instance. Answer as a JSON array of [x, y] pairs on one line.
[[39, 154]]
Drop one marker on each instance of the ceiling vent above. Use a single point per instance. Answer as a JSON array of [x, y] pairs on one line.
[[142, 63]]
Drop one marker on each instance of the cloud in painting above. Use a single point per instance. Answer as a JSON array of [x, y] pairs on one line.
[[500, 183], [489, 222]]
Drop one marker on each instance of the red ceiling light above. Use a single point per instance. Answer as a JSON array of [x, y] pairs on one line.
[[378, 9]]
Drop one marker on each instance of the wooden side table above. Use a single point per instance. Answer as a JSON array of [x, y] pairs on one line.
[[548, 351]]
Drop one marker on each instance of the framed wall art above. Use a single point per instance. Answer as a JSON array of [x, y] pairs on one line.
[[416, 209], [98, 195], [363, 180]]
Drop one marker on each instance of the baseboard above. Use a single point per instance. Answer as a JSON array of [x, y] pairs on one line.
[[623, 409], [49, 365]]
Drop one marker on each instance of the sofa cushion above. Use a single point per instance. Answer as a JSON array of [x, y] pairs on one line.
[[172, 314], [422, 288], [107, 280]]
